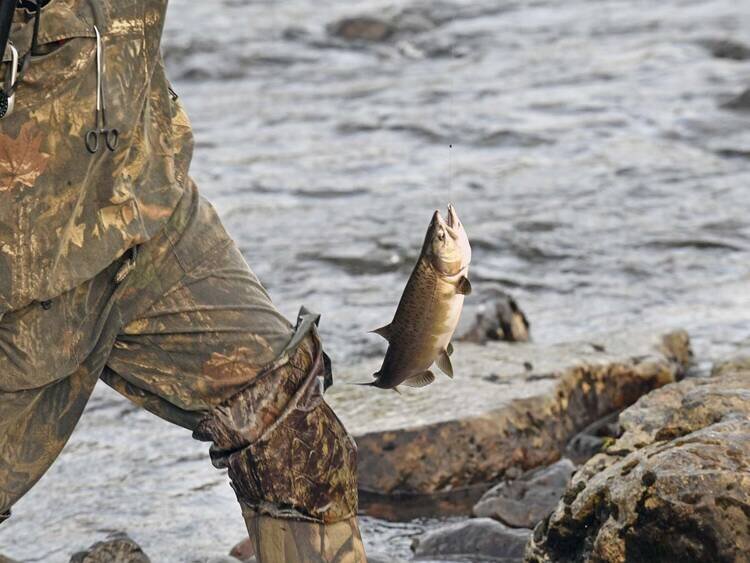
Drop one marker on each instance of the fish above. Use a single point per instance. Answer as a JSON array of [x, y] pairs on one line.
[[429, 310]]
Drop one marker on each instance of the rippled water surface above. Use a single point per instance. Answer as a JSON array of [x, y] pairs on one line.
[[582, 142]]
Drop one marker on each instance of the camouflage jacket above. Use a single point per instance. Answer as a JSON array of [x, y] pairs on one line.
[[66, 214]]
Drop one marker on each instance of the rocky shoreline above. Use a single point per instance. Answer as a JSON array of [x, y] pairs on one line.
[[527, 401], [670, 481]]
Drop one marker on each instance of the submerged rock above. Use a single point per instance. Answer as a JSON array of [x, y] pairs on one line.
[[499, 319], [510, 407], [477, 538], [378, 557], [674, 487], [362, 28], [740, 102], [727, 49], [522, 503], [117, 548]]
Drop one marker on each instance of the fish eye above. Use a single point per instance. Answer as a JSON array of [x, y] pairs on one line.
[[441, 234]]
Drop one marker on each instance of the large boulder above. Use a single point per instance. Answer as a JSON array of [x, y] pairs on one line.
[[117, 548], [510, 407], [674, 487], [523, 502], [477, 538]]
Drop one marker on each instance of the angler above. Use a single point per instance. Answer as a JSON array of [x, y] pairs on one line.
[[113, 267]]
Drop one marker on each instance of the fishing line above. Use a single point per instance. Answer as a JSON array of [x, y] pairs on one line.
[[452, 119]]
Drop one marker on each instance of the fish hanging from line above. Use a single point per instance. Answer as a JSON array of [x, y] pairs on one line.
[[430, 307]]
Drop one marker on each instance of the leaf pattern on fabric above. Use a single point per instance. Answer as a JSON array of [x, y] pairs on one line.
[[21, 160]]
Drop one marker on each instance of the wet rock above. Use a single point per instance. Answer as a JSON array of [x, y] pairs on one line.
[[379, 557], [117, 548], [499, 319], [244, 550], [674, 487], [524, 502], [739, 103], [739, 363], [479, 537], [589, 442], [362, 28], [526, 401], [726, 49]]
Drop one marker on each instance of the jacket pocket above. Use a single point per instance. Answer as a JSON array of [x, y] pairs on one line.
[[66, 48]]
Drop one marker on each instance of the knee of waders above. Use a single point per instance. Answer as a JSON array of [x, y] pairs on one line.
[[288, 454]]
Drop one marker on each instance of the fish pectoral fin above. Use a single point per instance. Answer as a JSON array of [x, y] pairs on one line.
[[444, 363], [463, 287], [420, 380], [449, 349], [384, 331]]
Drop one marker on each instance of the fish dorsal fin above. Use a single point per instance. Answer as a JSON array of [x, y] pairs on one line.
[[463, 286], [449, 349], [384, 331], [444, 363], [421, 380]]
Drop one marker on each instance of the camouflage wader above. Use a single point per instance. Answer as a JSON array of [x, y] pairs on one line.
[[112, 266]]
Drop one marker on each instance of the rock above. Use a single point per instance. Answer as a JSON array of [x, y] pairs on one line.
[[499, 319], [244, 550], [117, 548], [4, 559], [362, 28], [737, 364], [674, 487], [509, 406], [479, 537], [379, 557], [592, 439], [727, 49], [524, 502], [740, 102]]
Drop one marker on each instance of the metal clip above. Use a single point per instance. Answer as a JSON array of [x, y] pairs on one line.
[[7, 102], [127, 267]]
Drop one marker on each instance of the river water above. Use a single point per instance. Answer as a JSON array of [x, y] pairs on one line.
[[582, 142]]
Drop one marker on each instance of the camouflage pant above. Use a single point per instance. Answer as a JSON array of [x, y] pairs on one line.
[[184, 329]]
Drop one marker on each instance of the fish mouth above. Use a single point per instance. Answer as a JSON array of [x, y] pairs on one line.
[[453, 220], [451, 223]]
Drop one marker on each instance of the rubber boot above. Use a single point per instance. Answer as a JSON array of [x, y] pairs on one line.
[[279, 540]]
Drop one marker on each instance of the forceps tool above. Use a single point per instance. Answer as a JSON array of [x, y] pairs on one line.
[[8, 93], [111, 136]]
